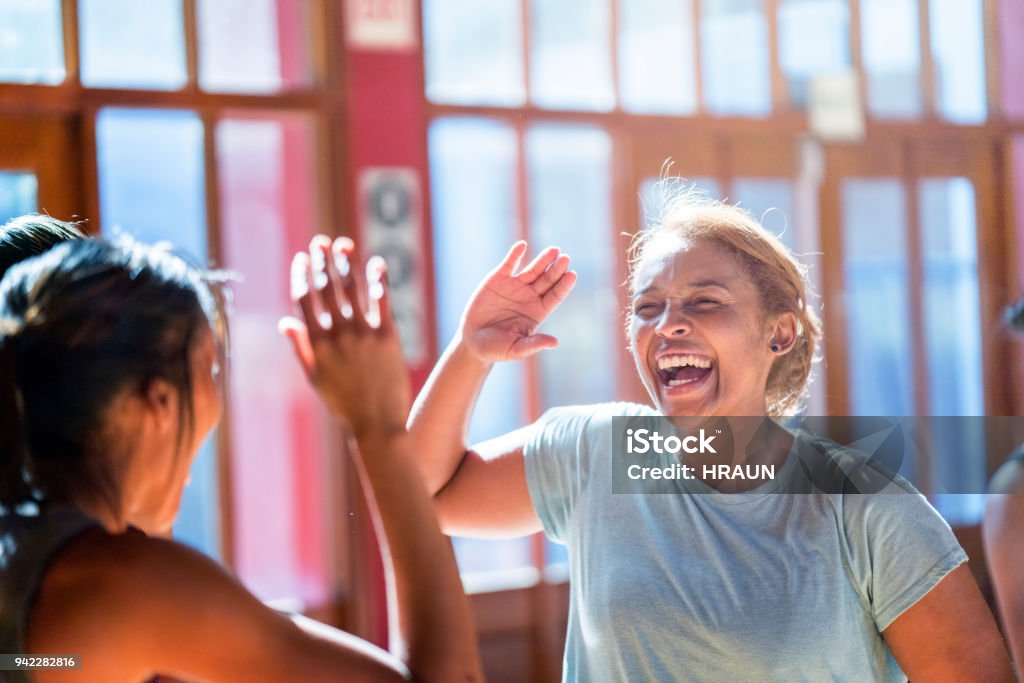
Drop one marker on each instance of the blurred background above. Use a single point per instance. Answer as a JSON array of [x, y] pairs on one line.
[[882, 139]]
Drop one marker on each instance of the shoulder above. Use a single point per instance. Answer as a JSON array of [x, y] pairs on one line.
[[580, 424], [595, 413], [125, 565], [835, 468], [104, 592]]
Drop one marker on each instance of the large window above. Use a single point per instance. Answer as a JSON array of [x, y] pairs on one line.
[[551, 121], [200, 124]]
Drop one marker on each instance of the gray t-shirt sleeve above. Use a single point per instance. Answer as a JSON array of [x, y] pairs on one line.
[[555, 455], [900, 548]]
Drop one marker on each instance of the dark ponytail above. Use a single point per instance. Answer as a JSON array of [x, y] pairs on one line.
[[13, 486], [21, 238], [82, 323]]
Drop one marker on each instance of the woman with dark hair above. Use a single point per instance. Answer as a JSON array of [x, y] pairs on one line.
[[1004, 519], [108, 385], [26, 236]]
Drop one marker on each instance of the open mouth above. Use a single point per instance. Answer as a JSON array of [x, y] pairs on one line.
[[677, 371]]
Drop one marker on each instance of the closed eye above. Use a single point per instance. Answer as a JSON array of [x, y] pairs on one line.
[[646, 309]]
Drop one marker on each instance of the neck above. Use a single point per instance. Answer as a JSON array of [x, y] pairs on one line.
[[104, 513], [741, 441], [103, 506]]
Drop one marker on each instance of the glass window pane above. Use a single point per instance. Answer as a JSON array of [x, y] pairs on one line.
[[151, 176], [770, 200], [570, 67], [31, 41], [734, 57], [19, 194], [953, 329], [952, 299], [657, 34], [569, 170], [890, 43], [880, 357], [472, 232], [132, 44], [279, 454], [151, 183], [254, 45], [474, 51], [479, 557], [478, 154], [814, 39], [958, 49]]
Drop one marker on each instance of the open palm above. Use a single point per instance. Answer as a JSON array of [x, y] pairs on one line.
[[506, 309]]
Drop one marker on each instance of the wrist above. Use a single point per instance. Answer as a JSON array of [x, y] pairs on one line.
[[380, 435], [463, 351]]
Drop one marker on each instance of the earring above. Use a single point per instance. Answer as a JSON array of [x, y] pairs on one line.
[[775, 348]]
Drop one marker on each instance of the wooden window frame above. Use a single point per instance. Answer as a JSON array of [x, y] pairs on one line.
[[323, 99]]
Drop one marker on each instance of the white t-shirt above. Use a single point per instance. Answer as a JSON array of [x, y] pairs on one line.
[[757, 586]]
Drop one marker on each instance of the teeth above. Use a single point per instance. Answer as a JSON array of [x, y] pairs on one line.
[[680, 361], [678, 382]]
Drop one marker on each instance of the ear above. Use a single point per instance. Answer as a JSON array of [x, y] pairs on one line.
[[783, 334], [161, 400]]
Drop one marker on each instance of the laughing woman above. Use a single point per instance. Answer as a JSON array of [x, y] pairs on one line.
[[743, 586], [108, 386]]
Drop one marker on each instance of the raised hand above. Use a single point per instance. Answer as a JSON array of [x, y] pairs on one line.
[[503, 314], [346, 341]]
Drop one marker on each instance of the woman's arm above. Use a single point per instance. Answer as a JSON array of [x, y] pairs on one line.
[[349, 347], [950, 635], [1003, 532], [483, 491]]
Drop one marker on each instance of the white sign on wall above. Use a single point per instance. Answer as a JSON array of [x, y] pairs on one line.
[[835, 109], [381, 24], [390, 209]]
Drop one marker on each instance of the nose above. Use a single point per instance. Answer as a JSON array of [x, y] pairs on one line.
[[673, 322]]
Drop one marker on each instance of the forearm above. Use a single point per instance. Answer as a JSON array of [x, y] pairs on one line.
[[439, 419], [1004, 517], [437, 637]]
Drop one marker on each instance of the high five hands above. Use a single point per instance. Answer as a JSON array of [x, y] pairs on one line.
[[347, 342], [502, 315]]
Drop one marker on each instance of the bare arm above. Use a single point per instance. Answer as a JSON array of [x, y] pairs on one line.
[[354, 359], [1003, 531], [482, 492], [950, 635]]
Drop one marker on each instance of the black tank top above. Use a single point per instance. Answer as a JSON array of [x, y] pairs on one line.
[[29, 540]]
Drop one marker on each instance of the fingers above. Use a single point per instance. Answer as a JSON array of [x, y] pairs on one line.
[[557, 293], [337, 287], [512, 259], [341, 257], [295, 331], [333, 296], [527, 346], [301, 277], [325, 280], [539, 265], [379, 295], [547, 279]]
